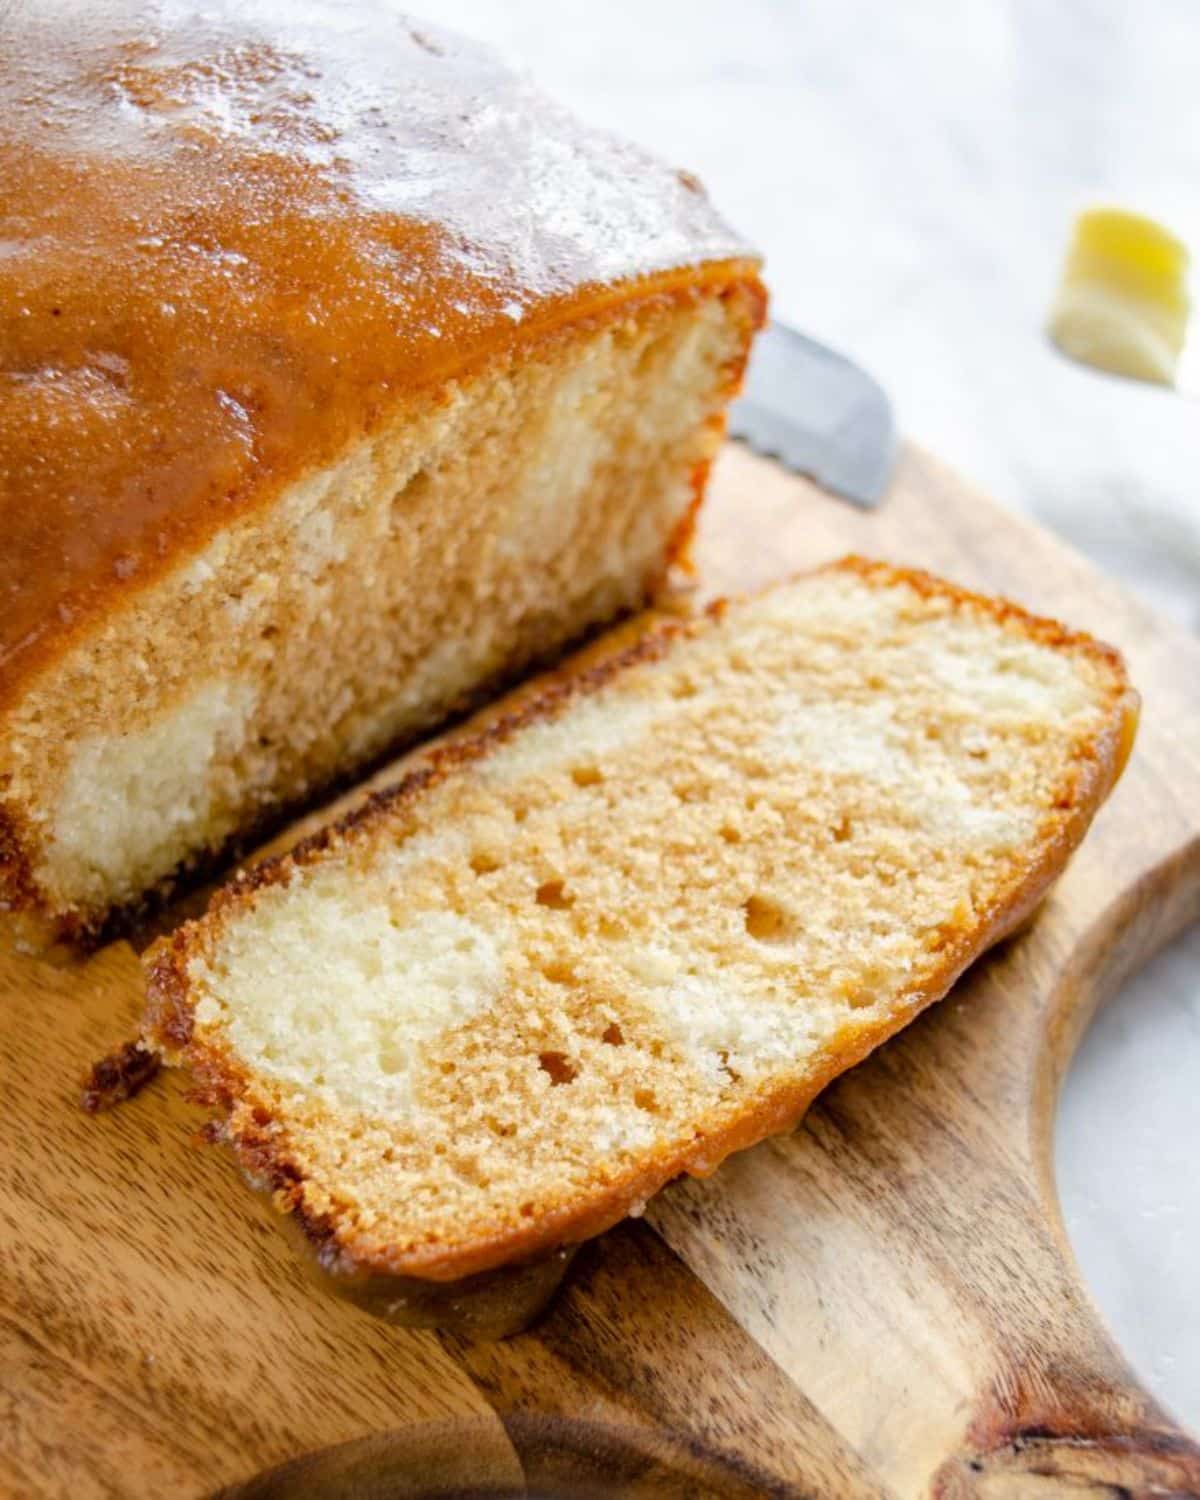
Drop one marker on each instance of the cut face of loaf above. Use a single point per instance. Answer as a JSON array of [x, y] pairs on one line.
[[641, 923], [486, 526]]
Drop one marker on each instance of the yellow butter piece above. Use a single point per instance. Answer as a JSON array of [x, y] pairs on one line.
[[1122, 304]]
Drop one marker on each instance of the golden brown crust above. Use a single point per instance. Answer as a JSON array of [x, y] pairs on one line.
[[328, 198], [261, 1144], [16, 885]]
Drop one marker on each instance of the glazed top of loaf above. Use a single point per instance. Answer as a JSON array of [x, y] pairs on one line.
[[232, 236]]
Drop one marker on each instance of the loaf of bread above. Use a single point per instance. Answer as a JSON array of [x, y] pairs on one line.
[[638, 924], [343, 375]]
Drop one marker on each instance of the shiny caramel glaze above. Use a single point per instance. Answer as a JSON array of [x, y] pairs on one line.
[[232, 237]]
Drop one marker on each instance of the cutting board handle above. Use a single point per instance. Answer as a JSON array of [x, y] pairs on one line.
[[1068, 1415]]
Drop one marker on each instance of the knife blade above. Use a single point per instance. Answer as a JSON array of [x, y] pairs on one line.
[[818, 413]]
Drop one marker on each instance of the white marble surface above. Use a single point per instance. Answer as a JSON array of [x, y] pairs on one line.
[[910, 172]]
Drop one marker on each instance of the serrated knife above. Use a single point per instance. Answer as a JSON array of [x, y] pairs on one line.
[[818, 413]]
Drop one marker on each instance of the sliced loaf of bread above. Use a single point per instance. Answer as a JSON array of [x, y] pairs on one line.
[[639, 924], [343, 376]]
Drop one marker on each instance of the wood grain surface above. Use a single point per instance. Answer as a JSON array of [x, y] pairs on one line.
[[881, 1304]]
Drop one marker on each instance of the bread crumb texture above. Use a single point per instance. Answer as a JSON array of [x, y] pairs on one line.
[[605, 943]]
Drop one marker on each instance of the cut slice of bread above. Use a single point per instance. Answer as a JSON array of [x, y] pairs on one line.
[[638, 924]]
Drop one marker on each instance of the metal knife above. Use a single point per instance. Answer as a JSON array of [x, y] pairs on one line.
[[818, 414]]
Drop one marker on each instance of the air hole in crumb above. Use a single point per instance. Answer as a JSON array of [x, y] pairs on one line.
[[447, 1068], [527, 1210], [500, 1127], [413, 490], [730, 834], [751, 802], [587, 775], [553, 893], [520, 812], [609, 928], [656, 1049], [933, 731], [645, 1099], [613, 1035], [842, 829], [684, 688], [558, 972], [876, 683], [484, 863], [766, 920], [558, 1066]]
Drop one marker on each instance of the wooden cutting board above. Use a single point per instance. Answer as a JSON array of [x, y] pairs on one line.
[[881, 1304]]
